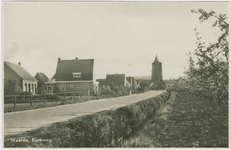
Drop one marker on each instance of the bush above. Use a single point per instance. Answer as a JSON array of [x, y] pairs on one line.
[[26, 93]]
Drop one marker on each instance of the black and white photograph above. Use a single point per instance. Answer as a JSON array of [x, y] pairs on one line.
[[115, 74]]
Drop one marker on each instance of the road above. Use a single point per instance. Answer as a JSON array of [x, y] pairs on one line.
[[17, 122]]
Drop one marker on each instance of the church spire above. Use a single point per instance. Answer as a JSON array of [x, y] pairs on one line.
[[156, 59]]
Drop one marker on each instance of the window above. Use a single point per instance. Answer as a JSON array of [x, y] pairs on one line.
[[63, 87], [77, 75]]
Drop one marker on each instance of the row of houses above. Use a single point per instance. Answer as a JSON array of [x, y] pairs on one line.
[[71, 75], [75, 75], [118, 80]]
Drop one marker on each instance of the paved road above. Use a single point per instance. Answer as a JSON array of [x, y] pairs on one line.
[[18, 122]]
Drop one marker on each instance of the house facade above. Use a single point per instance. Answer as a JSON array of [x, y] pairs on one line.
[[117, 79], [42, 88], [133, 82], [17, 79], [74, 75]]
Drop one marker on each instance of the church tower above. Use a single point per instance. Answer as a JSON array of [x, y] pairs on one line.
[[157, 76]]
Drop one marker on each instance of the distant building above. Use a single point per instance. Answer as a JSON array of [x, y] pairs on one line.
[[116, 79], [131, 80], [48, 87], [42, 78], [170, 83], [15, 76], [74, 75], [101, 82], [157, 75]]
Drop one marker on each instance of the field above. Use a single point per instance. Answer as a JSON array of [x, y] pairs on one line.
[[187, 121]]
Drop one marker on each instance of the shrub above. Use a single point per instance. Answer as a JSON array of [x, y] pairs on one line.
[[26, 93]]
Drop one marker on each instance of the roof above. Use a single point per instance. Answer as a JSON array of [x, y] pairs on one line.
[[101, 81], [143, 77], [65, 68], [117, 79], [156, 59], [144, 80], [170, 81], [41, 77], [19, 70]]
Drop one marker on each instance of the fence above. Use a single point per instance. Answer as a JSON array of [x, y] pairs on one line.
[[38, 98], [64, 96]]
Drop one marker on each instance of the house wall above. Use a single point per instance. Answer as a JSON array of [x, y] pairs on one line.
[[117, 80], [101, 81], [40, 87], [40, 83], [74, 86], [129, 79], [10, 75], [30, 86], [47, 88]]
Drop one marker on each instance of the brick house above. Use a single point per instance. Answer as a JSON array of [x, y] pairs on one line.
[[16, 76], [133, 82], [117, 79], [74, 75], [42, 78]]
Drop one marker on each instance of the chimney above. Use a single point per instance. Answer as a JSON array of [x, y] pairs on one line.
[[19, 63], [76, 58], [59, 59]]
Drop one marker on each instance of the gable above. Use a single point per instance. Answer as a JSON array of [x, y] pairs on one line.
[[41, 77], [9, 74], [66, 68]]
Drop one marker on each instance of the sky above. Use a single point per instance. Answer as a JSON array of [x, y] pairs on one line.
[[121, 37]]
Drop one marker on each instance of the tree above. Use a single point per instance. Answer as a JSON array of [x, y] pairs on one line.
[[208, 74]]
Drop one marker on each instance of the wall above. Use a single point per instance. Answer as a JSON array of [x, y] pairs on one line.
[[11, 75], [40, 87], [77, 86], [33, 88]]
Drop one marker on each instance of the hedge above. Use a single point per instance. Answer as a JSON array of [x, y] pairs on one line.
[[100, 129]]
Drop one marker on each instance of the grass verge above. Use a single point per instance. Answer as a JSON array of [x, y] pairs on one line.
[[103, 129], [185, 121]]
